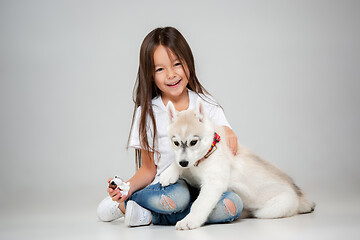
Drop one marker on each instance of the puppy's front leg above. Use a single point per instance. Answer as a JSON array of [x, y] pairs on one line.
[[209, 196], [170, 175]]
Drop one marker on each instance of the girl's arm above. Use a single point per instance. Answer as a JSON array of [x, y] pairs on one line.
[[143, 177], [231, 139], [217, 115]]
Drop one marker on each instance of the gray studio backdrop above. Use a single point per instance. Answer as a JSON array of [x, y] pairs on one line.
[[286, 73]]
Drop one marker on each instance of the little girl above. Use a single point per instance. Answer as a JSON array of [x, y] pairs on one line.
[[166, 73]]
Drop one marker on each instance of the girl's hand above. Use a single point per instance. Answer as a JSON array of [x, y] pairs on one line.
[[116, 195], [231, 140]]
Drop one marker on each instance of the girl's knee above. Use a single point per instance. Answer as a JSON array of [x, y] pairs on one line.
[[232, 204], [173, 203], [171, 200], [229, 207], [167, 203]]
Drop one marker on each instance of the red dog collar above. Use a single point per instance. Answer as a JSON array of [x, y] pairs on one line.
[[211, 150]]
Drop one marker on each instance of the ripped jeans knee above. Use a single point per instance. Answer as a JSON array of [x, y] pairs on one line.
[[167, 203], [170, 201], [165, 200], [227, 209]]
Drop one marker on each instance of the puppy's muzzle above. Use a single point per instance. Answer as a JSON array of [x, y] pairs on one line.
[[184, 163]]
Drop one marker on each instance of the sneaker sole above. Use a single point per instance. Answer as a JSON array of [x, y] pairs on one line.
[[128, 212]]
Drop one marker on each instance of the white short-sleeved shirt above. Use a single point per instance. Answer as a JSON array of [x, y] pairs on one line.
[[162, 143]]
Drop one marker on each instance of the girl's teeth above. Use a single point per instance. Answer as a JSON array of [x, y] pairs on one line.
[[174, 83]]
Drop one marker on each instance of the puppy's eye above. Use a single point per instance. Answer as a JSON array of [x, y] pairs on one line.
[[176, 143], [193, 142]]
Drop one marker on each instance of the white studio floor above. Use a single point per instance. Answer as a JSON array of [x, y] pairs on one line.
[[334, 218]]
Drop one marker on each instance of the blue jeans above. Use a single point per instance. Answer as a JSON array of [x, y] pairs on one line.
[[172, 203]]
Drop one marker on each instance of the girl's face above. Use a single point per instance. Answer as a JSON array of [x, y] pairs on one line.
[[170, 76]]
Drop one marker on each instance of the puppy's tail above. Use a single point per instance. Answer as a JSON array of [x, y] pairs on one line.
[[305, 205]]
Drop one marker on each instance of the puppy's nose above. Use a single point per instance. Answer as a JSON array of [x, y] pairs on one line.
[[184, 163]]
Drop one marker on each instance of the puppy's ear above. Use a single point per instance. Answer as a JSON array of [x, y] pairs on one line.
[[200, 109], [171, 112]]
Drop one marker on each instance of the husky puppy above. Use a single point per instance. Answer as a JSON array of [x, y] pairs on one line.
[[265, 190]]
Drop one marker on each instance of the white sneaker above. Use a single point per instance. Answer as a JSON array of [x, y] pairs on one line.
[[108, 210], [135, 215]]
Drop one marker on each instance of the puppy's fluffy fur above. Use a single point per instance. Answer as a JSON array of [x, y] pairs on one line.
[[265, 190]]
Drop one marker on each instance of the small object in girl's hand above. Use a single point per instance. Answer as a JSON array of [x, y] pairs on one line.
[[112, 185], [117, 182]]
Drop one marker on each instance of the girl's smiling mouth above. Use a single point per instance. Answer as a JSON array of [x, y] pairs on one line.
[[175, 84]]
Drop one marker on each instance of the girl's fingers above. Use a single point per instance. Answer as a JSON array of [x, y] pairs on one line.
[[123, 198], [232, 140], [116, 197], [113, 192], [233, 145], [110, 190]]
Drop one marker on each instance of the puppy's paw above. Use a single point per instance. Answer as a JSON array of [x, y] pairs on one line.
[[188, 223], [168, 177]]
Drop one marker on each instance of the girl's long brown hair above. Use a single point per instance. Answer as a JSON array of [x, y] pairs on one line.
[[145, 89]]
